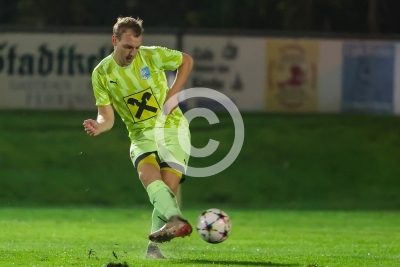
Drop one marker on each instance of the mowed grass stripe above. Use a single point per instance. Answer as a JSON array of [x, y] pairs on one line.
[[296, 161], [89, 237]]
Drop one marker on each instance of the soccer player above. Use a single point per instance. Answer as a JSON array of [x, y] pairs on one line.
[[132, 81]]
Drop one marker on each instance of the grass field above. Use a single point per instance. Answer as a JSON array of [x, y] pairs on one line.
[[320, 190], [311, 161], [94, 237]]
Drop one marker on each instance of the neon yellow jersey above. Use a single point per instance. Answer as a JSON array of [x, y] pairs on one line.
[[137, 92]]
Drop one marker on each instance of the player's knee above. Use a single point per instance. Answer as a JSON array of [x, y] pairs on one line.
[[148, 173]]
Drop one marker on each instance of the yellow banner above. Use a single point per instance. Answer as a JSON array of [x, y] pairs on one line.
[[292, 75]]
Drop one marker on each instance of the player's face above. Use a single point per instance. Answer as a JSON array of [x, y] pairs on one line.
[[126, 49]]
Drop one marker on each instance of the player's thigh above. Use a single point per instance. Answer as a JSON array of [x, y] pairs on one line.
[[140, 149], [174, 150], [144, 157], [148, 172]]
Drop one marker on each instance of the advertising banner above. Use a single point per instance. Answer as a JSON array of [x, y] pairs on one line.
[[234, 66], [292, 75], [53, 71], [396, 94], [368, 76], [330, 76]]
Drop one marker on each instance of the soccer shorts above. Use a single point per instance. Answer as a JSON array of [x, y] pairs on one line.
[[169, 146]]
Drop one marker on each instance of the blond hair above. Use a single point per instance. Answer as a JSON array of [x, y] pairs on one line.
[[128, 23]]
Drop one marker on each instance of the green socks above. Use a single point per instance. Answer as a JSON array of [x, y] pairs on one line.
[[163, 200], [157, 220]]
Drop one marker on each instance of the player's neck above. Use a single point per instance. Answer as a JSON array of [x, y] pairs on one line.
[[119, 63]]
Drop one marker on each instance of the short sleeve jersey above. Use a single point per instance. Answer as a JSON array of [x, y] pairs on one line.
[[138, 91]]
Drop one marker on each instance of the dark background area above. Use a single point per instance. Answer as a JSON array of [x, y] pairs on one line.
[[335, 16]]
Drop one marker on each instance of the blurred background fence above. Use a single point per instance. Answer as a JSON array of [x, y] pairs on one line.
[[259, 72]]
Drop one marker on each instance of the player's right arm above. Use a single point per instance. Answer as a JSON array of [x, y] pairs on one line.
[[104, 121], [105, 112]]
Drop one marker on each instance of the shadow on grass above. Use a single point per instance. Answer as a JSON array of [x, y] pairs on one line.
[[240, 263]]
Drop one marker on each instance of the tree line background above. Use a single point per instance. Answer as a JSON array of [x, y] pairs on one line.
[[342, 16]]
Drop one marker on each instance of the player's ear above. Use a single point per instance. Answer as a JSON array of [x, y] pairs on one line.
[[114, 40]]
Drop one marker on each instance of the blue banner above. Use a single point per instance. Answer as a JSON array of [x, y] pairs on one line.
[[368, 77]]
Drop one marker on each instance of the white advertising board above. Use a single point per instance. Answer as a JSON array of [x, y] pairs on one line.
[[234, 66], [53, 71]]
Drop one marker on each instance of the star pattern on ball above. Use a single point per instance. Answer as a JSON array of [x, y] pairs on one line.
[[214, 225]]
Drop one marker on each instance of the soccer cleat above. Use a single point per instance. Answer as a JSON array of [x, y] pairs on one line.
[[175, 227], [153, 252]]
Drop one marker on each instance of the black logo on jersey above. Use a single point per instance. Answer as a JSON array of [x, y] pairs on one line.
[[113, 82], [142, 106]]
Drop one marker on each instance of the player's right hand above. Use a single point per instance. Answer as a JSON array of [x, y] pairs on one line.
[[92, 127]]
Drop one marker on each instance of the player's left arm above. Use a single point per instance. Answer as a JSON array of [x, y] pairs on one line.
[[183, 72]]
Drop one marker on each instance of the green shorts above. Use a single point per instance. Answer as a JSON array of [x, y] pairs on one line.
[[171, 150]]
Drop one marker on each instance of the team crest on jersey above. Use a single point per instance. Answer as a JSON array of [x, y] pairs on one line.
[[142, 105], [145, 73]]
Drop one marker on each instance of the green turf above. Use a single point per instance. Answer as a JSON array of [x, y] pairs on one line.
[[89, 237], [330, 161]]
